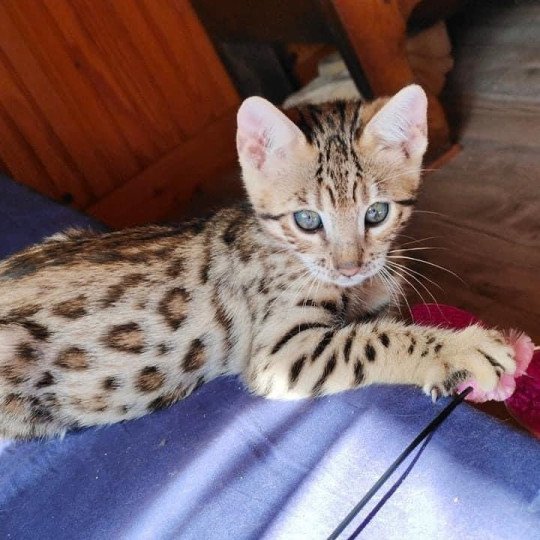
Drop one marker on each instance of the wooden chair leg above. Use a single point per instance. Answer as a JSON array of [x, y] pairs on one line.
[[376, 32]]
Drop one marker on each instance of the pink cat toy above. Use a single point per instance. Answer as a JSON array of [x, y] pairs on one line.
[[521, 391]]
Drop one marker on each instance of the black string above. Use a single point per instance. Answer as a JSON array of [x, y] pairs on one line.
[[391, 491], [426, 432]]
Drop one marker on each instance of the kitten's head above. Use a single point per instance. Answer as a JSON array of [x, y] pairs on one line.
[[337, 187]]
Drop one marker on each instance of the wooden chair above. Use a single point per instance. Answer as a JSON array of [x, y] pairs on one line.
[[370, 35]]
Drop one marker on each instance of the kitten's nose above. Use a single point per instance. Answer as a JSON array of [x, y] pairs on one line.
[[349, 269]]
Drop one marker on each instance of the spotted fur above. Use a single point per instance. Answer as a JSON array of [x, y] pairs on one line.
[[96, 329]]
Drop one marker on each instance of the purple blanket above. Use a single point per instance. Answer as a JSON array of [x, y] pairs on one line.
[[225, 464]]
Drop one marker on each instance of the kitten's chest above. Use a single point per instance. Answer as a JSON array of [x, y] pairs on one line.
[[284, 285], [367, 301]]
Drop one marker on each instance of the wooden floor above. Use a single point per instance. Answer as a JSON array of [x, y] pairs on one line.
[[487, 200]]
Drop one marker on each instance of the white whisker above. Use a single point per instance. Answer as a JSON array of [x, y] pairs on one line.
[[393, 296], [416, 241], [404, 278], [428, 263], [398, 287], [409, 273], [416, 273], [416, 211], [406, 250]]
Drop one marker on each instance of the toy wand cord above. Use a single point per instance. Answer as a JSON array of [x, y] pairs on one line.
[[426, 432]]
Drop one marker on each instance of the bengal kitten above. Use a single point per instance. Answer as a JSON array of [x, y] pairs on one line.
[[288, 291]]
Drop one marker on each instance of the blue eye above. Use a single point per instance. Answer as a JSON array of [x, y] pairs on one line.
[[376, 213], [308, 220]]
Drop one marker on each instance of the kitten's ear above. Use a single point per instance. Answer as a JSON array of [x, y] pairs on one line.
[[401, 124], [264, 133]]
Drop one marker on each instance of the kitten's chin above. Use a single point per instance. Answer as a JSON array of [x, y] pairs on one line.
[[344, 281]]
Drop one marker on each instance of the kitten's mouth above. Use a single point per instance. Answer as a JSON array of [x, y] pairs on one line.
[[334, 277]]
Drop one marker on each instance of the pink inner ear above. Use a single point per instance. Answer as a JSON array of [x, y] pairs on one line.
[[256, 154], [254, 120], [264, 132], [253, 148]]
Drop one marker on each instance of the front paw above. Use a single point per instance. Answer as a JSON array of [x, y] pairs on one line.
[[475, 357]]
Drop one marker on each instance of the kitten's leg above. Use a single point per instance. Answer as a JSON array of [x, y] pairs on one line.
[[308, 358]]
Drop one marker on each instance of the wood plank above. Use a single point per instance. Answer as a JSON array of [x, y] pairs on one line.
[[153, 49], [67, 76], [94, 61], [206, 82], [96, 92], [267, 21], [133, 73], [19, 159], [70, 133], [30, 124], [165, 188]]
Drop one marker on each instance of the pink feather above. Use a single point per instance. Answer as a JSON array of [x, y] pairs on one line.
[[520, 391]]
